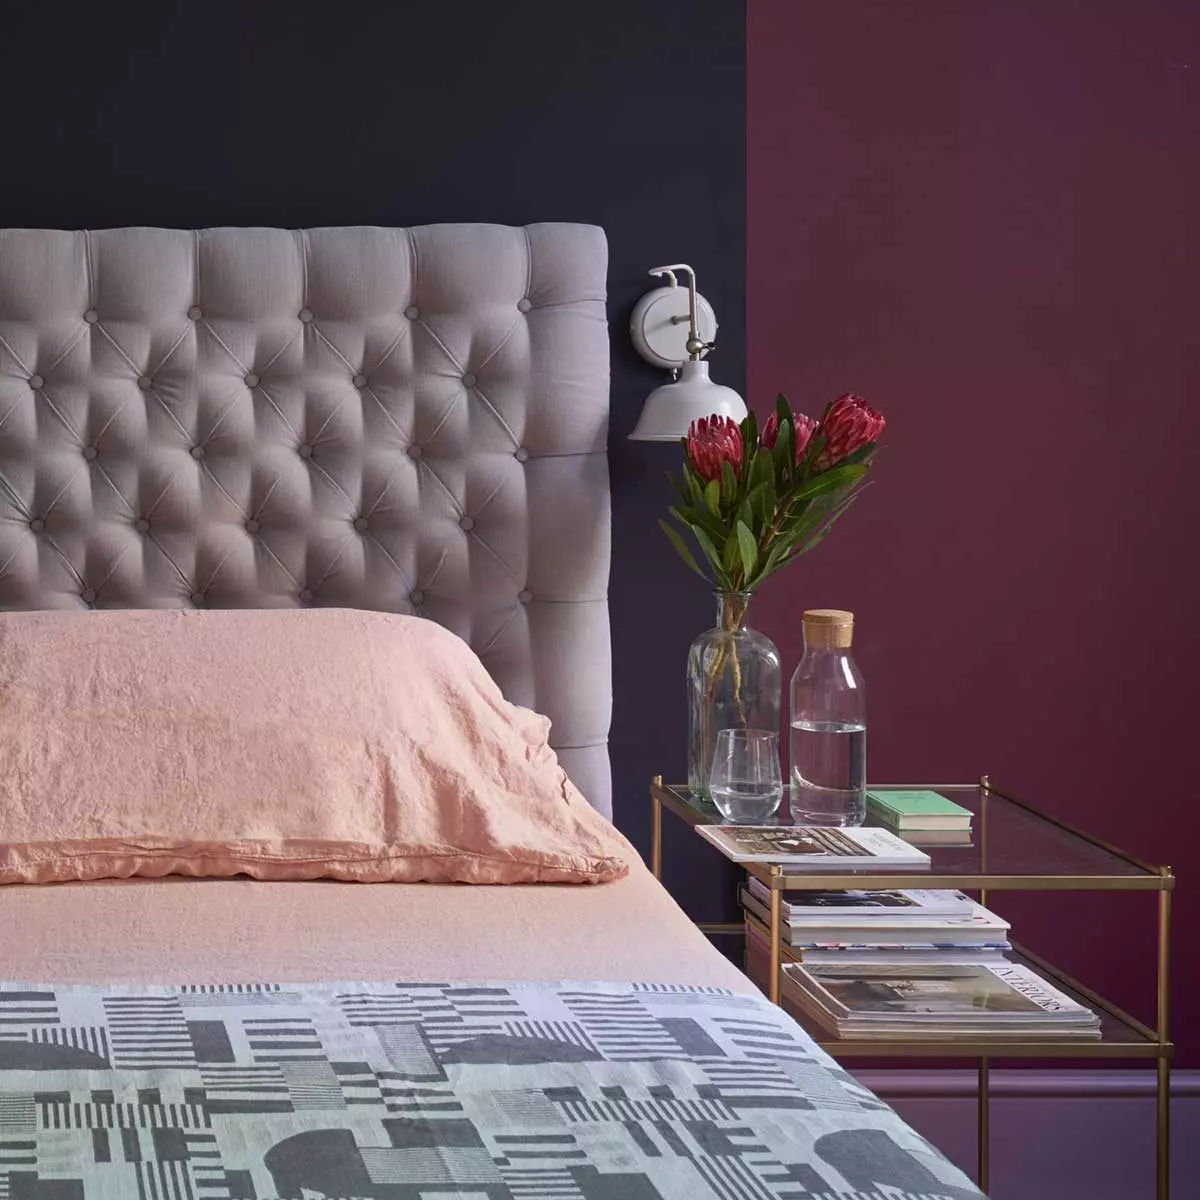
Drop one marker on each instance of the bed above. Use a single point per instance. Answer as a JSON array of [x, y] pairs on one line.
[[410, 422]]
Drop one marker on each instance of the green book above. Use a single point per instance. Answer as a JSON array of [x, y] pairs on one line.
[[917, 810]]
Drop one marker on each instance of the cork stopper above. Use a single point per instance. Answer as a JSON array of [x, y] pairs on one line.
[[828, 628]]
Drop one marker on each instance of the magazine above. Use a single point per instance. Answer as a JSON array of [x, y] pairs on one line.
[[859, 907], [980, 998], [758, 948], [977, 927], [814, 847]]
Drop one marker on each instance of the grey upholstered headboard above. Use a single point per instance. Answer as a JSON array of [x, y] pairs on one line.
[[412, 420]]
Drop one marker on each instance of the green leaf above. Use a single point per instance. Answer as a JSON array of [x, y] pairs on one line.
[[783, 410], [708, 548], [712, 497], [761, 502], [749, 430], [778, 551], [692, 517], [761, 469], [694, 489], [828, 481], [681, 549], [786, 443], [731, 552], [750, 425], [729, 484], [748, 549], [745, 514]]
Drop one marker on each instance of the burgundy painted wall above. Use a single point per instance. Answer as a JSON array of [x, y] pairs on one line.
[[985, 217]]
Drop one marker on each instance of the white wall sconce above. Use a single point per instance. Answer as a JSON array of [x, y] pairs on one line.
[[675, 328]]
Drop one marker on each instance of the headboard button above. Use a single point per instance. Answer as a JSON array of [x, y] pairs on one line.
[[524, 304], [91, 316], [195, 313], [252, 526], [88, 595], [197, 598], [90, 452], [412, 312], [197, 452], [360, 380], [305, 314], [521, 454], [145, 383], [469, 380], [142, 525], [306, 596], [37, 524], [36, 382], [467, 524], [305, 451], [417, 597], [415, 452], [361, 524], [251, 380], [524, 595]]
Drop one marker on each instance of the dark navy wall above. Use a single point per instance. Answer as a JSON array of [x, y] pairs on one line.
[[627, 113]]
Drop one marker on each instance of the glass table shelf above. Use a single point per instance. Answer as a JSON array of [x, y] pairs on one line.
[[1121, 1035], [1012, 846]]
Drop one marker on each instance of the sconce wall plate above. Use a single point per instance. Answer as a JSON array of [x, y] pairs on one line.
[[659, 325]]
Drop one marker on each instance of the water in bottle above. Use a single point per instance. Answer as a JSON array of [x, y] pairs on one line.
[[828, 742]]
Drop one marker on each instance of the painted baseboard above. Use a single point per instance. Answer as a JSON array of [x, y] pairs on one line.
[[1055, 1135]]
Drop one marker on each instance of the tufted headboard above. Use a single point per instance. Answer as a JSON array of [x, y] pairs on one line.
[[412, 420]]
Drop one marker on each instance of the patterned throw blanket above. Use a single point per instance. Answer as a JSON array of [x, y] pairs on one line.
[[406, 1091]]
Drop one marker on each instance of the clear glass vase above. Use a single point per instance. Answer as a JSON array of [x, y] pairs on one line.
[[734, 681]]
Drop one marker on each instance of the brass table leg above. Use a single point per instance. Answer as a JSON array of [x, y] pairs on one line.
[[1163, 1097], [984, 1131], [983, 1098], [1163, 1082], [656, 830], [776, 947]]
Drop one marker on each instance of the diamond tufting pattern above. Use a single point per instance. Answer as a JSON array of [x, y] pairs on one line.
[[411, 420]]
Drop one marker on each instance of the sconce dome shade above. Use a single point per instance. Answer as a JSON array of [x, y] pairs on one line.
[[672, 407]]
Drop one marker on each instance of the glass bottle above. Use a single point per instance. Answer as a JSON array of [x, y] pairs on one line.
[[734, 681], [828, 716]]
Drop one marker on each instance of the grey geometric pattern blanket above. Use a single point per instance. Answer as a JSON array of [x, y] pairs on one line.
[[402, 1091]]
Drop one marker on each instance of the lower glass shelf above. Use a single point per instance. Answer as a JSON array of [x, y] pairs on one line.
[[1121, 1035]]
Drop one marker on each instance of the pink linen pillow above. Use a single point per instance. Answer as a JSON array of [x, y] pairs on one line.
[[280, 744]]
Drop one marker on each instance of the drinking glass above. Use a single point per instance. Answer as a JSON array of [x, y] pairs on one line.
[[745, 781]]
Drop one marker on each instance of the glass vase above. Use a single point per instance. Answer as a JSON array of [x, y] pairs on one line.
[[734, 681]]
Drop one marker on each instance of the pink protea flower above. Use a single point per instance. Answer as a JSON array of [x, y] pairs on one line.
[[850, 424], [712, 442], [803, 425]]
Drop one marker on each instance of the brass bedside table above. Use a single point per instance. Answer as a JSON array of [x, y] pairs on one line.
[[1016, 848]]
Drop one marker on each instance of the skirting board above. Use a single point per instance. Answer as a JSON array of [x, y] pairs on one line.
[[1055, 1135]]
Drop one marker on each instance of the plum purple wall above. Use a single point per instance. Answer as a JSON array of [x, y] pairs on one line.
[[986, 218]]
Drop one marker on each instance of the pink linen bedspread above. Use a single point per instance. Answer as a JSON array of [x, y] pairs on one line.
[[246, 931]]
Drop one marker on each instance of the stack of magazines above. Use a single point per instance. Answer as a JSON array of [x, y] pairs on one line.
[[994, 1001], [909, 925]]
